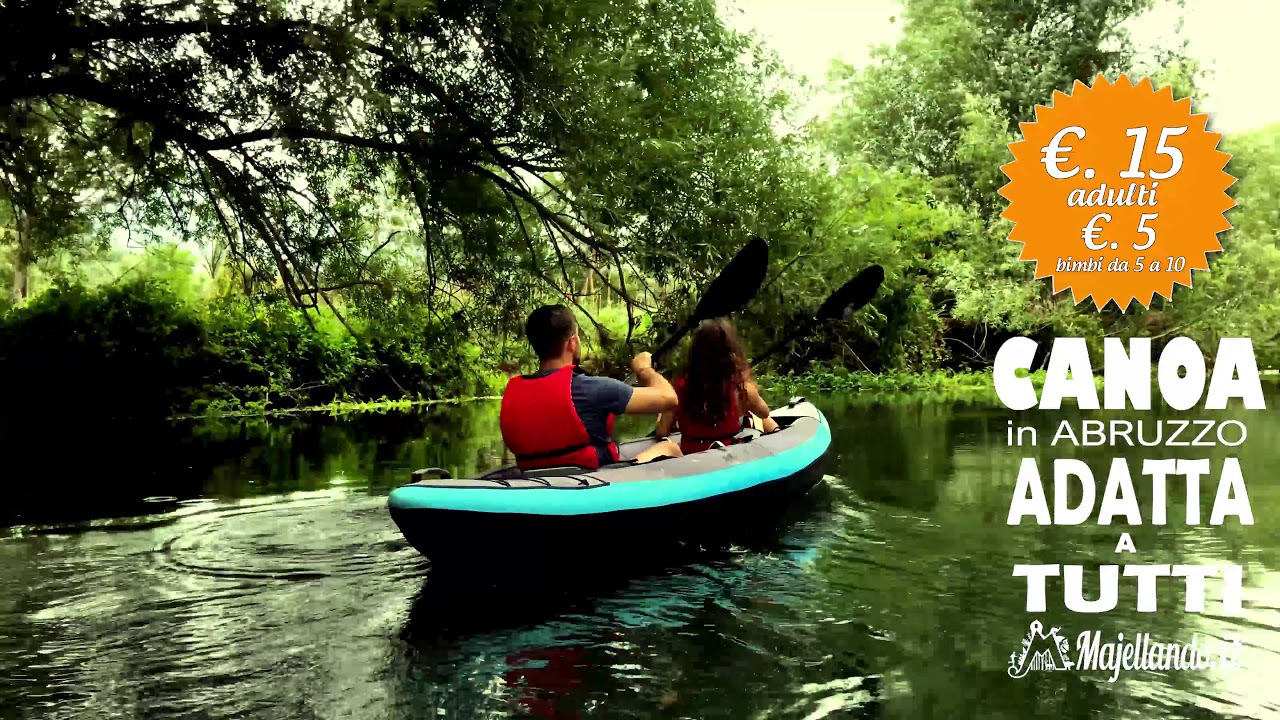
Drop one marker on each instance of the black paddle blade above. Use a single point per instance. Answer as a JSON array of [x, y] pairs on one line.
[[853, 295], [733, 288], [736, 284]]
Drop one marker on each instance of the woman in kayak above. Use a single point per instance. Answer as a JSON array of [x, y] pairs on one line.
[[716, 392]]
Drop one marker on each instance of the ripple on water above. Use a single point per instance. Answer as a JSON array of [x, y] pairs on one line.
[[215, 611], [308, 538]]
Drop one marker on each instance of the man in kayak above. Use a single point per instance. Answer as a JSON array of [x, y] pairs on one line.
[[560, 415]]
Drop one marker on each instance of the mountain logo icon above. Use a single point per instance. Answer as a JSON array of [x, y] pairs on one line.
[[1041, 651]]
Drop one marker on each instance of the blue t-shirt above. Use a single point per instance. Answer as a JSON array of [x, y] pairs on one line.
[[595, 399]]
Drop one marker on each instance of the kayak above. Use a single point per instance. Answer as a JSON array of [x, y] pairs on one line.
[[560, 513]]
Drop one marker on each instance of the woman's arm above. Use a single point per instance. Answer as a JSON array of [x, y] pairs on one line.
[[754, 403], [756, 406]]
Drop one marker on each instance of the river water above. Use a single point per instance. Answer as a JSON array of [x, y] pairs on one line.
[[250, 570]]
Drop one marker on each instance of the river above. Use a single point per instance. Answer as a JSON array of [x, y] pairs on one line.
[[250, 570]]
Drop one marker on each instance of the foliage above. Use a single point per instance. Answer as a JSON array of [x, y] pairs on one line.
[[466, 157], [356, 202], [943, 104], [1237, 297], [47, 189], [125, 347], [138, 349], [937, 384], [919, 142], [956, 57]]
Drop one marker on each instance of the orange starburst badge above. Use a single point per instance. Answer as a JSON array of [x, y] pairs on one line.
[[1118, 192]]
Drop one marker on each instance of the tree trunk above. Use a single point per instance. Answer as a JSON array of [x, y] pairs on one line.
[[215, 262], [22, 259], [20, 282]]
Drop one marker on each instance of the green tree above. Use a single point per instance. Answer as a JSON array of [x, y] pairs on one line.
[[512, 139], [49, 193], [943, 104], [1237, 296], [962, 62]]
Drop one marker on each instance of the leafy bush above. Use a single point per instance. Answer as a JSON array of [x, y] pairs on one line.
[[138, 350], [126, 350], [939, 384]]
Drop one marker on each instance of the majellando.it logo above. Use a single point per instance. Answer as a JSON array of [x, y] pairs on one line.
[[1050, 651]]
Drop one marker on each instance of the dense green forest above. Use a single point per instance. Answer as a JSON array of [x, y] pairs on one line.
[[262, 204]]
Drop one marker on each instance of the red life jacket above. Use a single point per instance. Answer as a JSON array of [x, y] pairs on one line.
[[697, 435], [541, 426], [542, 690]]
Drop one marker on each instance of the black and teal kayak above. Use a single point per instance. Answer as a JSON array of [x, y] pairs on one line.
[[699, 498]]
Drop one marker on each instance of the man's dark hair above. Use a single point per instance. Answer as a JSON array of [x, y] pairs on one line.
[[549, 328]]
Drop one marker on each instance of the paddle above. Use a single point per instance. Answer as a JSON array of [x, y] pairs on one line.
[[729, 292], [733, 288], [850, 297]]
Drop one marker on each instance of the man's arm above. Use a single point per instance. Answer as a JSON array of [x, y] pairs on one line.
[[655, 394], [666, 423]]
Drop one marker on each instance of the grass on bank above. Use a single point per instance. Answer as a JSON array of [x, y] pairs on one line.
[[935, 384], [938, 383], [335, 408]]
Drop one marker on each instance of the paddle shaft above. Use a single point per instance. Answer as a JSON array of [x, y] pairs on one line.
[[733, 288], [850, 297], [803, 331], [665, 347], [670, 343]]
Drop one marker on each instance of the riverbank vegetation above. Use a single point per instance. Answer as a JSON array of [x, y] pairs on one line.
[[257, 206]]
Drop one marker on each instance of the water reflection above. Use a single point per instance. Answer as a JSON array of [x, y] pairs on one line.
[[112, 470], [273, 584]]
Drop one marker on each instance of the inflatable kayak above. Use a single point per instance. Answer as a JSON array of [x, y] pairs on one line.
[[568, 511]]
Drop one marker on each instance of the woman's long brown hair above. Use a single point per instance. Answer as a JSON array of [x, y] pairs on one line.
[[716, 367]]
